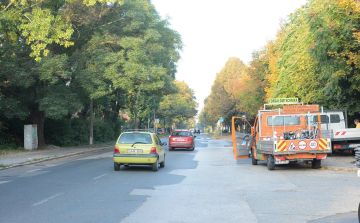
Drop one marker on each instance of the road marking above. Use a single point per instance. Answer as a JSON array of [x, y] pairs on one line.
[[3, 182], [30, 171], [100, 176], [47, 199]]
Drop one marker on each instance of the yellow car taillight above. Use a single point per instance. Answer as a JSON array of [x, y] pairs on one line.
[[153, 150]]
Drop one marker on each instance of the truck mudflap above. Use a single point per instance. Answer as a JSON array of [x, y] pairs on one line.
[[319, 145]]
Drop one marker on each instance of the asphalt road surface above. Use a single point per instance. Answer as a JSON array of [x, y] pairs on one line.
[[205, 185]]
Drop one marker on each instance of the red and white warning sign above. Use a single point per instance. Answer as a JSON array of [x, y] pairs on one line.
[[292, 146], [302, 144], [313, 144]]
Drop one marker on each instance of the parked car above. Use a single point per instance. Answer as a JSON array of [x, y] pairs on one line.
[[181, 138], [160, 131], [139, 147]]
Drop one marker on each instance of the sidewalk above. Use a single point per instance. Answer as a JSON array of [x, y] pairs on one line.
[[52, 152]]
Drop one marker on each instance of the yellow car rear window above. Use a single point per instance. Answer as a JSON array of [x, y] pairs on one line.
[[130, 138]]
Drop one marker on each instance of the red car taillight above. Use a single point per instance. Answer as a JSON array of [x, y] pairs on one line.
[[153, 150], [116, 150]]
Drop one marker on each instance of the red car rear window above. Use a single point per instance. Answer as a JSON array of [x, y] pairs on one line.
[[181, 134]]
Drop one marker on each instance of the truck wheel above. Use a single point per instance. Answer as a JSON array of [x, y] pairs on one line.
[[270, 162], [253, 160], [316, 164]]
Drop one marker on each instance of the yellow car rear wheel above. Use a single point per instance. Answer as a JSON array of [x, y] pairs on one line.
[[116, 166], [155, 166]]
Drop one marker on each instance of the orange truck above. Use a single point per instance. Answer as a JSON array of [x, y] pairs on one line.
[[282, 136]]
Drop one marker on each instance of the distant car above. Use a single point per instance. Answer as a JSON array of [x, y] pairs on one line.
[[181, 138], [160, 131], [139, 148], [194, 130]]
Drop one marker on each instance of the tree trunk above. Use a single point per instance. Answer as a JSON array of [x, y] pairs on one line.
[[37, 117], [164, 126], [136, 110]]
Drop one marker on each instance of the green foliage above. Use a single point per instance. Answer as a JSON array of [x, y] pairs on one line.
[[179, 107], [56, 55], [315, 58], [66, 132]]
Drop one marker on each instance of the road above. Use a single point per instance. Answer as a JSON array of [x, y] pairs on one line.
[[205, 185]]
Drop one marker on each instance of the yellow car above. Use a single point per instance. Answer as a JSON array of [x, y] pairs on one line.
[[139, 148]]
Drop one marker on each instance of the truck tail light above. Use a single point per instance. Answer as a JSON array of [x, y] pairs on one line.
[[279, 158], [321, 157], [153, 150], [337, 146], [116, 150]]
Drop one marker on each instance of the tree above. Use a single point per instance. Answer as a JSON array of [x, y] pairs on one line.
[[51, 71], [179, 107]]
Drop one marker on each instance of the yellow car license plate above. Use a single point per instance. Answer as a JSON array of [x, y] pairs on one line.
[[138, 151]]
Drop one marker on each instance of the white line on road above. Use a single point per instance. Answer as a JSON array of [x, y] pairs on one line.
[[47, 199], [3, 182], [99, 176], [33, 170]]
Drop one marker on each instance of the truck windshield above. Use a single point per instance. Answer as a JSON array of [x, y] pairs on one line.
[[279, 120]]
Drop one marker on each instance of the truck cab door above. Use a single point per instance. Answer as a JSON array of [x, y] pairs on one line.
[[241, 137]]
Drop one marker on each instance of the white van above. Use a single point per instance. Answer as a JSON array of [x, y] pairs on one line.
[[342, 137], [333, 120]]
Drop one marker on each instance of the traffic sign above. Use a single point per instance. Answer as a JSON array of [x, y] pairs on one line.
[[221, 119], [302, 144], [283, 100]]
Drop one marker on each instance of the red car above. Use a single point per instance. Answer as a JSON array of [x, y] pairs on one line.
[[181, 138]]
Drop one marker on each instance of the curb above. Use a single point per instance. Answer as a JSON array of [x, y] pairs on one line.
[[52, 158]]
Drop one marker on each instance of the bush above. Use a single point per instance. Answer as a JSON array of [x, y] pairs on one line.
[[58, 132], [80, 131], [103, 132], [12, 133]]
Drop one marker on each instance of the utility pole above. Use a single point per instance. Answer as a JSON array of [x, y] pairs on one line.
[[91, 122]]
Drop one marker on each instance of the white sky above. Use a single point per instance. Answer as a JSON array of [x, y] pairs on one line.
[[214, 31]]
